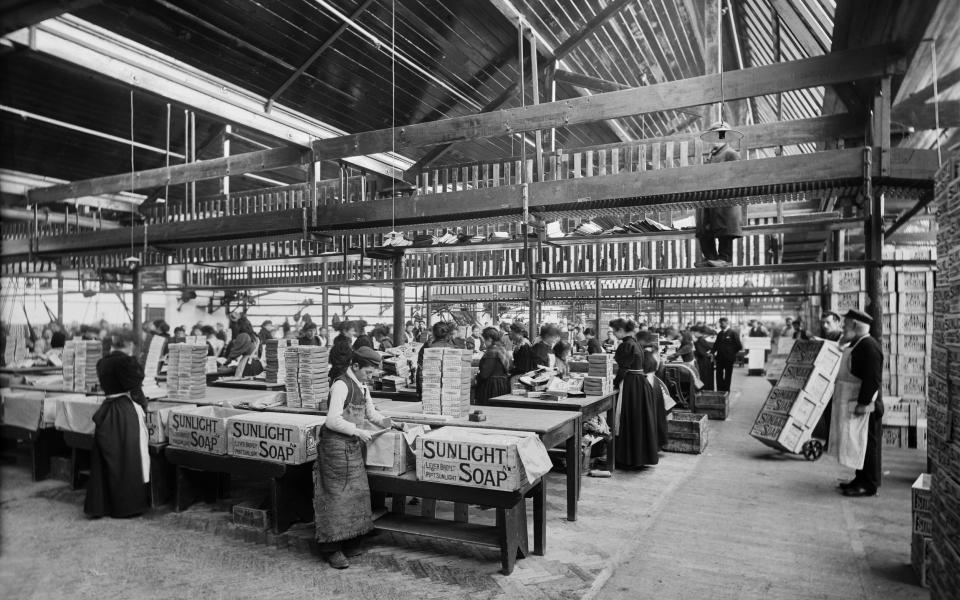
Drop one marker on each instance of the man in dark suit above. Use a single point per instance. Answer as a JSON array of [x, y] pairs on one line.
[[866, 364], [725, 351]]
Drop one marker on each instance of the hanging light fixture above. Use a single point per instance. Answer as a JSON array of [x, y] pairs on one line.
[[720, 132]]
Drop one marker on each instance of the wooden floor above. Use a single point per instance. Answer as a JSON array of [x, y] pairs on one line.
[[752, 523]]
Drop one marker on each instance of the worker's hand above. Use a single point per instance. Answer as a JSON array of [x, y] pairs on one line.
[[860, 409], [363, 435]]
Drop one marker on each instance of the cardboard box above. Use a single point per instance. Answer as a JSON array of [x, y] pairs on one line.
[[920, 554], [252, 515], [895, 437], [202, 428], [898, 413], [274, 437], [482, 458], [157, 416]]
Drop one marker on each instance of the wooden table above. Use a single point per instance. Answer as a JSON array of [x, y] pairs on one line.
[[554, 427], [247, 384], [399, 395], [43, 442], [288, 496], [587, 406], [509, 534], [30, 370], [161, 472]]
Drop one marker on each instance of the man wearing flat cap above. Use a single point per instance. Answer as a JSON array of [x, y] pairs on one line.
[[859, 406]]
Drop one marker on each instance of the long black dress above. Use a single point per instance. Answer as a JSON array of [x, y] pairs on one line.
[[638, 438], [494, 377], [116, 485]]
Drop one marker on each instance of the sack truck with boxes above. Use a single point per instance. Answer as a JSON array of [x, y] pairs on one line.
[[795, 404]]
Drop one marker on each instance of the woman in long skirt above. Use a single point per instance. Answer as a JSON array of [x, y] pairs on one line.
[[119, 459], [494, 377], [341, 494], [638, 441]]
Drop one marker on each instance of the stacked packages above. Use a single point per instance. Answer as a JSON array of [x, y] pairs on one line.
[[943, 402], [80, 364], [599, 379], [795, 404], [308, 384], [446, 381], [276, 367], [186, 372]]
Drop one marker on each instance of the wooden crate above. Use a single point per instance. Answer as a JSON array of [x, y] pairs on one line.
[[686, 432], [716, 405], [895, 437], [251, 515]]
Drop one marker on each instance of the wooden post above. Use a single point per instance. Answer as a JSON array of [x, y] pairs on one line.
[[399, 300], [598, 298], [193, 158], [426, 305], [225, 182], [60, 296], [137, 310], [538, 134], [873, 233]]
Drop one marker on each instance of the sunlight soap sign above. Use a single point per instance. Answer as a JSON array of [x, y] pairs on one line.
[[483, 458]]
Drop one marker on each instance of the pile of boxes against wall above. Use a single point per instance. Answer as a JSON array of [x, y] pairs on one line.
[[943, 400], [599, 378], [908, 304], [795, 404], [186, 372], [306, 376], [275, 353], [447, 373], [80, 364]]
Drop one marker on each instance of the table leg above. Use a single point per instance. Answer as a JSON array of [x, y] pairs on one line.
[[75, 468], [540, 517], [509, 523], [612, 445], [398, 505], [573, 476], [428, 507], [461, 512]]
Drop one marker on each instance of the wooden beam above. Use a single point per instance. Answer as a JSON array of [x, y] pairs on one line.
[[588, 82], [46, 218], [591, 26], [863, 63], [261, 160], [30, 13], [921, 96], [921, 117], [636, 189], [109, 55], [316, 54]]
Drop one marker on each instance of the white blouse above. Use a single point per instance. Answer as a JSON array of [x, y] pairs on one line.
[[338, 397]]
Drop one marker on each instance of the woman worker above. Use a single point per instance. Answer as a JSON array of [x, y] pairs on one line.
[[636, 417], [342, 350], [341, 494], [494, 377], [119, 458]]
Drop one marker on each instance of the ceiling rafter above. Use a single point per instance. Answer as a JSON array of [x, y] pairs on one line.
[[86, 45], [316, 54]]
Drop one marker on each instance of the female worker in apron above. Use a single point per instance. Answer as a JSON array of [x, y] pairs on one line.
[[119, 458], [341, 494], [637, 414]]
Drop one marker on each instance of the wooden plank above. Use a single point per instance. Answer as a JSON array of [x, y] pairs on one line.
[[588, 82], [838, 67], [215, 168]]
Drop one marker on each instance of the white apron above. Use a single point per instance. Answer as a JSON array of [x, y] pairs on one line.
[[848, 430], [144, 437]]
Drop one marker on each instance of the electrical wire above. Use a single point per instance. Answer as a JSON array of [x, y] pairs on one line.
[[393, 109], [936, 99]]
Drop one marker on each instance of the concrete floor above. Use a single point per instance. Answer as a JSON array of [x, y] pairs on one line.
[[739, 521]]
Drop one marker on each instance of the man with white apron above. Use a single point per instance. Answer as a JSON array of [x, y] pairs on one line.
[[855, 431]]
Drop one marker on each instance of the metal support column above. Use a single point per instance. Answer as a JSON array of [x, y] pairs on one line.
[[137, 310], [873, 232], [426, 306], [598, 298], [60, 296], [225, 182], [399, 300]]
